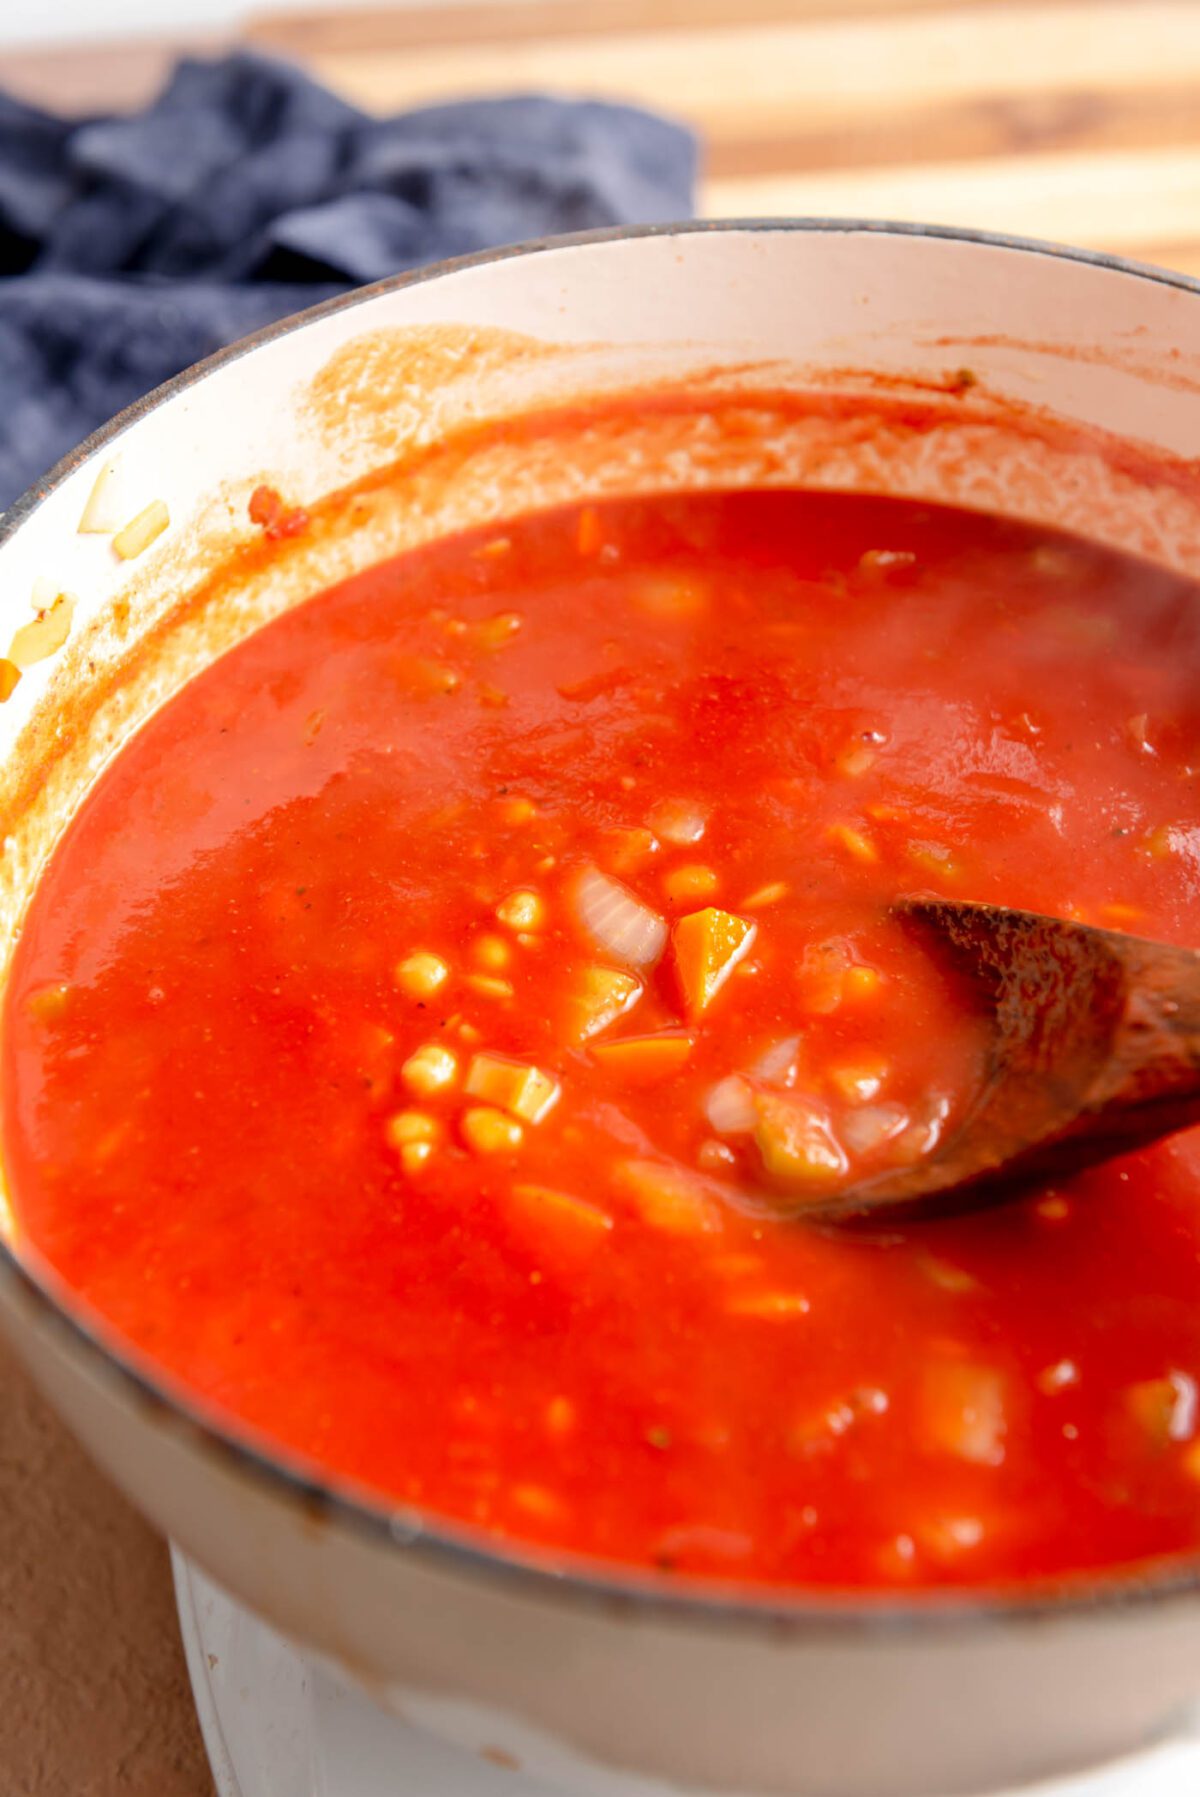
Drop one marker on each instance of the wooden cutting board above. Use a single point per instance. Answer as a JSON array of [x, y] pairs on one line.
[[1078, 120]]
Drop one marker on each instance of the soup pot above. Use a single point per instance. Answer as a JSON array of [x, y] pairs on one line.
[[1057, 386]]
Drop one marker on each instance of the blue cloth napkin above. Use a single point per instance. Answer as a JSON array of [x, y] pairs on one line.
[[132, 246]]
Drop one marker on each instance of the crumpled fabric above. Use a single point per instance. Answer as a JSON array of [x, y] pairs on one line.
[[133, 246]]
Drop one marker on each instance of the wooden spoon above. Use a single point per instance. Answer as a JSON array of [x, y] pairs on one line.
[[1096, 1052]]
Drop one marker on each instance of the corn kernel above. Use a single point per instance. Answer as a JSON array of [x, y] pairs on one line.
[[856, 845], [412, 1126], [421, 975], [684, 885], [431, 1068], [487, 1131], [770, 894], [141, 531], [522, 910], [415, 1155], [491, 952], [861, 982], [488, 986]]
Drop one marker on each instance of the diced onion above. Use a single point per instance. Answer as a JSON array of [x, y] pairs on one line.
[[871, 1125], [618, 922], [108, 505], [678, 821], [729, 1107], [777, 1064]]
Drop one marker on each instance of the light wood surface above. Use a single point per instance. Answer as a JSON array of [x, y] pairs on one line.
[[1075, 119]]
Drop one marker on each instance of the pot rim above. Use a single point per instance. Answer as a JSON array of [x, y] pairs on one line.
[[536, 1573]]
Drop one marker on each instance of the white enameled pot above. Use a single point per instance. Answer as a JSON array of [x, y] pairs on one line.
[[597, 1681]]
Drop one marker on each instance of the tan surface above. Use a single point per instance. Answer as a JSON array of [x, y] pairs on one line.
[[93, 1690], [1077, 119]]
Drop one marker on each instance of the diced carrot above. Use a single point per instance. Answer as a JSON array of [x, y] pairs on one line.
[[770, 894], [623, 851], [488, 986], [708, 946], [525, 1091], [424, 678], [668, 1198], [935, 859], [797, 1145], [598, 997], [589, 532], [821, 976], [963, 1411], [688, 884], [853, 842], [668, 595], [10, 674], [1164, 1409], [560, 1212], [643, 1060], [768, 1306], [496, 633]]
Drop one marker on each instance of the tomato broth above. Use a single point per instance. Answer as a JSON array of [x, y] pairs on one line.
[[426, 1038]]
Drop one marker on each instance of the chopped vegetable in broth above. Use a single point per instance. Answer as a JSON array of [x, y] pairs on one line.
[[427, 1038]]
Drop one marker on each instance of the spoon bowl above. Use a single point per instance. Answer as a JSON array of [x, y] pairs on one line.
[[1095, 1051]]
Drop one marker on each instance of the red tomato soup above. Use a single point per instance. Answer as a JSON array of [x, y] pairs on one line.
[[426, 1037]]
